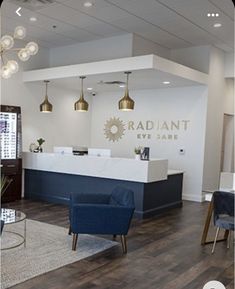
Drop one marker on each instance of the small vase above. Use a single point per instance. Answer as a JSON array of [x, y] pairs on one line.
[[40, 149], [137, 157]]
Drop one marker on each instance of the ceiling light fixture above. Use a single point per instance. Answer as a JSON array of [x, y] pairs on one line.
[[88, 4], [46, 106], [122, 85], [212, 14], [166, 82], [8, 67], [126, 103], [216, 25], [81, 105], [89, 88], [33, 19]]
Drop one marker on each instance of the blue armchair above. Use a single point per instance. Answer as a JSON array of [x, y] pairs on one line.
[[2, 225], [223, 213], [101, 214]]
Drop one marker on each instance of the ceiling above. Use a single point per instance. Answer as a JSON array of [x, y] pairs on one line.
[[171, 24]]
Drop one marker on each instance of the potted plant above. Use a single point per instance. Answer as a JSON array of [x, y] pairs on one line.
[[40, 142], [137, 153]]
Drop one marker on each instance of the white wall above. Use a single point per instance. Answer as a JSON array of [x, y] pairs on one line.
[[102, 49], [229, 65], [214, 126], [163, 104], [197, 57], [96, 50], [143, 46], [229, 96], [227, 155], [63, 126]]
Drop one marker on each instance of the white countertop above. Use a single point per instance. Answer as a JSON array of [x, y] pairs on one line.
[[103, 167]]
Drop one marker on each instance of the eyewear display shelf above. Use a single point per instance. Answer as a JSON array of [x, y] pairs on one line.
[[10, 153]]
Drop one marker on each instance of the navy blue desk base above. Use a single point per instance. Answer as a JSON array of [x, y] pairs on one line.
[[150, 198]]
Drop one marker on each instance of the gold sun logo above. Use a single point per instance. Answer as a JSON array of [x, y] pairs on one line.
[[114, 129]]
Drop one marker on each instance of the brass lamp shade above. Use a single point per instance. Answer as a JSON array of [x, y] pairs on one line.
[[46, 106], [126, 103], [81, 105]]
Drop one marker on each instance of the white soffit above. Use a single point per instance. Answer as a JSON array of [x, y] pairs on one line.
[[138, 63]]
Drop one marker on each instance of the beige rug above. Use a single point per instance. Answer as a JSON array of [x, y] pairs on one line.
[[48, 247]]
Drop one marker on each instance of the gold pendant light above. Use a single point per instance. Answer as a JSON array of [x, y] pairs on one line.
[[81, 104], [46, 106], [126, 103]]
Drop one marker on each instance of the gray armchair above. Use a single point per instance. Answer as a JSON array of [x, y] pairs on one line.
[[223, 214]]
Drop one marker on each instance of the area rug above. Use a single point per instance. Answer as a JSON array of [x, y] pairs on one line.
[[48, 247]]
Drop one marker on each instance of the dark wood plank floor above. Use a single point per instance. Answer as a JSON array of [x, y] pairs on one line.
[[163, 252]]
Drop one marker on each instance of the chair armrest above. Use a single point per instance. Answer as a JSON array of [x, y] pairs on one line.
[[76, 198], [101, 219]]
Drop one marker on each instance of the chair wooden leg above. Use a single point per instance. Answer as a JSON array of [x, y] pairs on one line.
[[228, 240], [124, 246], [75, 239], [70, 230], [226, 234], [216, 236], [114, 237]]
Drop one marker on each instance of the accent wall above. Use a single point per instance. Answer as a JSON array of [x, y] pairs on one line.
[[170, 121]]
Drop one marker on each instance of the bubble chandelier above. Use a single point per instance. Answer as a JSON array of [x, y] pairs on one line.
[[10, 66]]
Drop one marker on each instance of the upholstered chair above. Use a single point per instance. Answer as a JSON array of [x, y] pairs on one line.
[[223, 214], [101, 214], [2, 225]]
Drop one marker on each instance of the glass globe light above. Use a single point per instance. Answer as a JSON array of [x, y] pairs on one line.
[[13, 66], [7, 42], [23, 54], [32, 47], [5, 72], [19, 32]]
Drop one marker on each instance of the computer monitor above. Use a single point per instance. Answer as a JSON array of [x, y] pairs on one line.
[[99, 152], [63, 150]]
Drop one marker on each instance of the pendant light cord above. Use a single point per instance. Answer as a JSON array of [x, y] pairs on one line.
[[46, 81], [82, 94]]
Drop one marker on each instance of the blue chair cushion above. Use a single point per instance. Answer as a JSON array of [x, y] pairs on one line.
[[225, 222], [224, 210], [2, 225]]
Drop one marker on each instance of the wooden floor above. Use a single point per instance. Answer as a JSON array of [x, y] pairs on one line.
[[163, 252]]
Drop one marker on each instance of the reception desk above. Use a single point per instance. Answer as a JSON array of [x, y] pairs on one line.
[[51, 177]]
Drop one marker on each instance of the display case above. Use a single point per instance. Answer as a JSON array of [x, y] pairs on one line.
[[10, 152]]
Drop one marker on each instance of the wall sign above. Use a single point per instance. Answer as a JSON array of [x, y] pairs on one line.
[[161, 130]]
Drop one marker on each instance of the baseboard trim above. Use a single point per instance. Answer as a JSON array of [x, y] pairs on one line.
[[194, 198]]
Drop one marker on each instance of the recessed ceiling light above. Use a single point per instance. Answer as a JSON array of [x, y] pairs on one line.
[[33, 19], [166, 82], [216, 25], [122, 85], [212, 14], [89, 88], [87, 4]]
